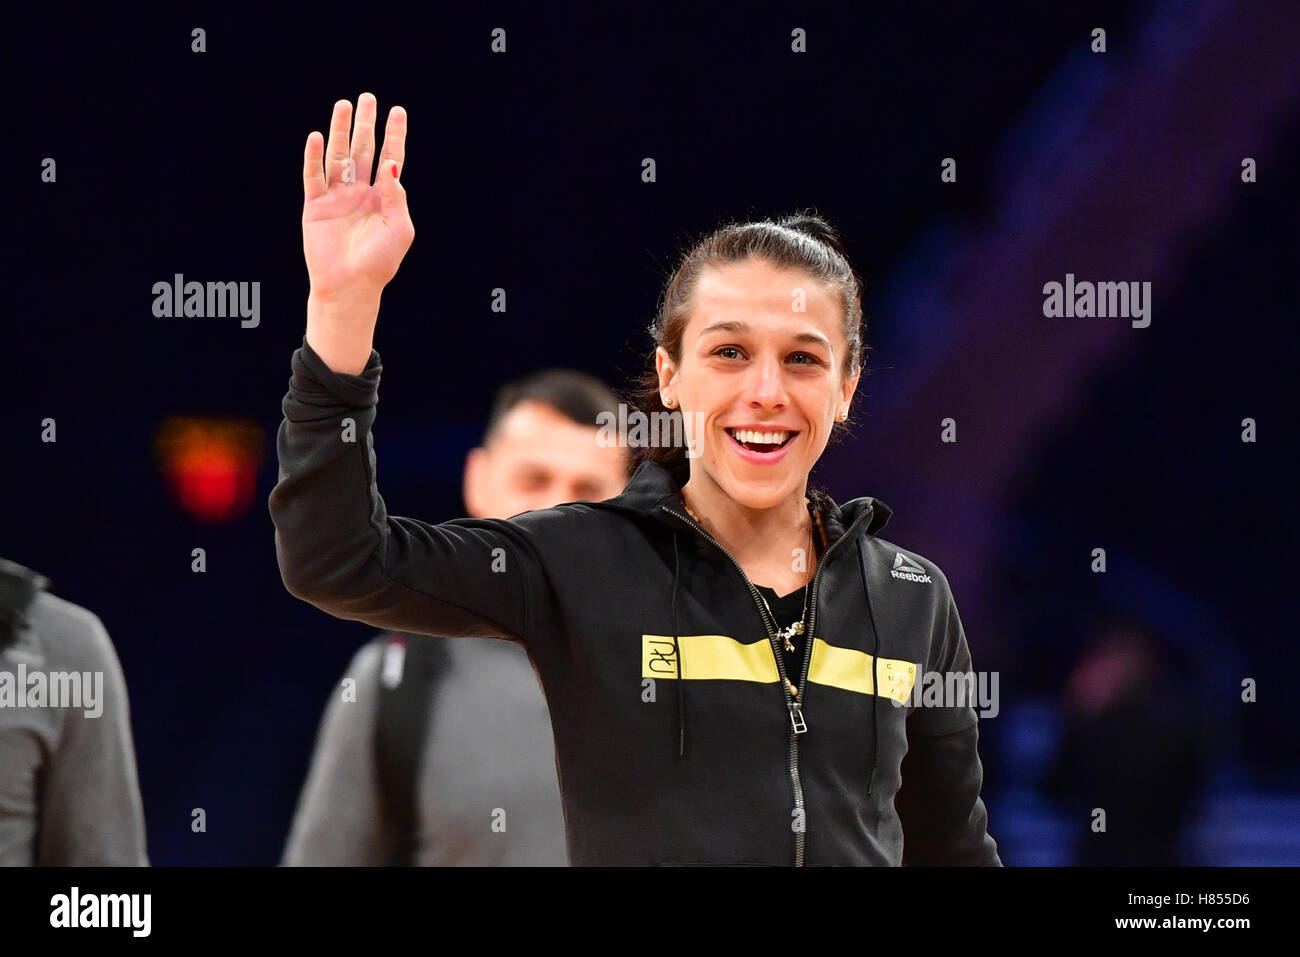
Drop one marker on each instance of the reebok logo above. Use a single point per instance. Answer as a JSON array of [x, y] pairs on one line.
[[908, 570]]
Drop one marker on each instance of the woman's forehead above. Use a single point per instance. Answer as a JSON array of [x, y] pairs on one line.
[[758, 281], [759, 298]]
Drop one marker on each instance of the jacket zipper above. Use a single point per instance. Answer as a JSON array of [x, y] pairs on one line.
[[793, 705], [808, 644]]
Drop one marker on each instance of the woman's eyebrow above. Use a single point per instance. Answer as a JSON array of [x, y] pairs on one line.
[[726, 325], [814, 337], [733, 325]]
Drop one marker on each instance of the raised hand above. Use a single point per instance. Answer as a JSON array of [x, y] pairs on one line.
[[354, 234]]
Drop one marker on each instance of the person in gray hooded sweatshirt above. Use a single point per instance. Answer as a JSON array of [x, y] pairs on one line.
[[438, 751], [68, 789]]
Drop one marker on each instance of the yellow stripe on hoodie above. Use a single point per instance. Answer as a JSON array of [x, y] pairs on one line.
[[720, 658]]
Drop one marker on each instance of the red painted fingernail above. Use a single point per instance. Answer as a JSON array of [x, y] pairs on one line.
[[394, 171]]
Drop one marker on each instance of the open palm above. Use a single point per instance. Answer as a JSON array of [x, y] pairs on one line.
[[355, 234]]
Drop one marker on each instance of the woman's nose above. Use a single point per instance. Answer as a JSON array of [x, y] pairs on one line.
[[766, 386]]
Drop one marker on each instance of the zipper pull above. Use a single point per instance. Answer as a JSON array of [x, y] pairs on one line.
[[796, 718]]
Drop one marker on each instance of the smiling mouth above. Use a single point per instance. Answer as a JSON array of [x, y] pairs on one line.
[[762, 441]]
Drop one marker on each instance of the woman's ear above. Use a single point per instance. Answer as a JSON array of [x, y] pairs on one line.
[[666, 370], [849, 390]]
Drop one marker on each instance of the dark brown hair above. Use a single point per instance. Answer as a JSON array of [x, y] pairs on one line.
[[803, 241], [579, 396]]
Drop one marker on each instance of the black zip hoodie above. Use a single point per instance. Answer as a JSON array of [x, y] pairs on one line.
[[678, 740]]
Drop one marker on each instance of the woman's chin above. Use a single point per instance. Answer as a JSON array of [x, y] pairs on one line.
[[765, 486], [760, 494]]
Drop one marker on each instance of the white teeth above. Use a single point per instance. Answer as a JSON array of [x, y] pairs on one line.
[[762, 438]]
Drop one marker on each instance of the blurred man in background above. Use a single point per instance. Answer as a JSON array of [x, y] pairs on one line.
[[1135, 747], [443, 753], [69, 795]]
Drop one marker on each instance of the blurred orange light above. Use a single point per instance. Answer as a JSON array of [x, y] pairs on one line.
[[210, 464]]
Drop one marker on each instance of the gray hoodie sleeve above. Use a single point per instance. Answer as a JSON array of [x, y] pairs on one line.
[[339, 821], [340, 550], [90, 809]]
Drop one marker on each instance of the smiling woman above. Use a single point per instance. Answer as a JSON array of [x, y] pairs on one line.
[[780, 266], [716, 569], [758, 338]]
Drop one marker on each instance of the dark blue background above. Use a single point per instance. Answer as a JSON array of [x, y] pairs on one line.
[[523, 172]]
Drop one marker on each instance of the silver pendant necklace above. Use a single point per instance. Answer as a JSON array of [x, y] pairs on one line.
[[789, 631]]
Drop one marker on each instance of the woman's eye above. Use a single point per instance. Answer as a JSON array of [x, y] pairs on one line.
[[807, 359], [727, 349]]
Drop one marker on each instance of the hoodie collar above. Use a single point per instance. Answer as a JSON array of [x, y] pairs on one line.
[[652, 487]]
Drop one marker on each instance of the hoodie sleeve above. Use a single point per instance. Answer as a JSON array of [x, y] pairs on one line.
[[91, 813], [944, 819], [340, 550]]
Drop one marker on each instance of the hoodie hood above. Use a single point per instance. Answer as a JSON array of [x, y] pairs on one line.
[[19, 588]]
